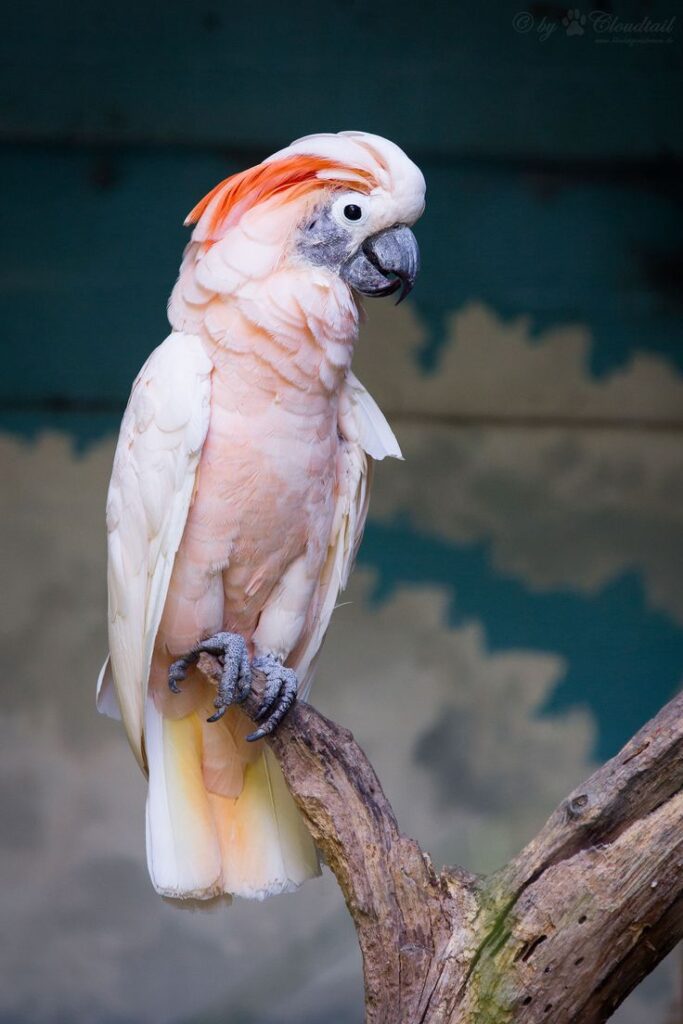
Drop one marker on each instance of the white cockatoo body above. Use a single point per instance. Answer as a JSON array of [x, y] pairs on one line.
[[239, 494]]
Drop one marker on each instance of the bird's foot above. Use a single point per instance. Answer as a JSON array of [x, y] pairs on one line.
[[235, 682], [278, 695]]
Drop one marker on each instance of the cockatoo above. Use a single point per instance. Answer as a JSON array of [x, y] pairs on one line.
[[239, 494]]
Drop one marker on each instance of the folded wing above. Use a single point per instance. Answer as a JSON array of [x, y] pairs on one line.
[[366, 437], [151, 490]]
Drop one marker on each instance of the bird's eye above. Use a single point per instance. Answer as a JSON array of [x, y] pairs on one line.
[[352, 212], [350, 209]]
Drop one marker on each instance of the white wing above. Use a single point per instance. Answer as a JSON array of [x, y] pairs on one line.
[[366, 437], [151, 489]]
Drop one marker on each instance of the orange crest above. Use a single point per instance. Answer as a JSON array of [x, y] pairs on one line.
[[290, 177]]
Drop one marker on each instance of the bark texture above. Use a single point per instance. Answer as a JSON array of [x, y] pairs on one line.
[[561, 934]]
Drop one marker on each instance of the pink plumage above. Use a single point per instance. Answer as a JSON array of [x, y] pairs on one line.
[[240, 489]]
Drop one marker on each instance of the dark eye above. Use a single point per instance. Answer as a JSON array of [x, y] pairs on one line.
[[353, 212]]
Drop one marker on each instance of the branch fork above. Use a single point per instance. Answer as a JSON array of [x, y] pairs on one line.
[[561, 934]]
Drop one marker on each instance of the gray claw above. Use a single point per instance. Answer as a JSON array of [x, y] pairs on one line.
[[278, 696], [235, 682], [178, 671], [274, 673], [217, 715]]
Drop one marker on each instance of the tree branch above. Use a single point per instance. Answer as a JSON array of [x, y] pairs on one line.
[[562, 933]]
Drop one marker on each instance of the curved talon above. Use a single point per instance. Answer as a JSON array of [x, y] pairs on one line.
[[278, 696], [274, 673], [178, 670], [235, 682], [172, 684], [217, 715]]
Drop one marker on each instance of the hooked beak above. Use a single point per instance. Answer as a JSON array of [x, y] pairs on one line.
[[384, 263]]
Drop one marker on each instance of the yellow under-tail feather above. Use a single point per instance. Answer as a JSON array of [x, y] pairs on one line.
[[202, 844]]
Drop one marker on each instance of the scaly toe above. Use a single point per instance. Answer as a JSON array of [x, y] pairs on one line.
[[235, 679], [274, 672], [178, 671], [278, 697]]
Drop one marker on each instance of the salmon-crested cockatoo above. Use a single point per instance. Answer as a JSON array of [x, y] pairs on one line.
[[239, 494]]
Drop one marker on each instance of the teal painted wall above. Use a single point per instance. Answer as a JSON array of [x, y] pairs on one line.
[[517, 610]]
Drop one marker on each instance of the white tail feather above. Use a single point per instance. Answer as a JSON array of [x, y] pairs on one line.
[[200, 844]]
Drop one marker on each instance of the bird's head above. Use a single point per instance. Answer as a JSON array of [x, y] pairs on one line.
[[339, 202]]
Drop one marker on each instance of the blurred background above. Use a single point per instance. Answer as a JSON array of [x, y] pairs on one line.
[[517, 610]]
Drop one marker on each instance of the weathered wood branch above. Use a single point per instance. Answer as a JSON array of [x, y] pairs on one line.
[[562, 933]]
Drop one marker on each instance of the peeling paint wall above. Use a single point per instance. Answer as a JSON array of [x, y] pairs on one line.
[[517, 611]]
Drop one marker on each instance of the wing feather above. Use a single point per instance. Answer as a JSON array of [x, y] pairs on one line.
[[366, 437], [152, 484]]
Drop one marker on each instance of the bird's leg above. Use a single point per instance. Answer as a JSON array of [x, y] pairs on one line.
[[279, 694], [235, 681]]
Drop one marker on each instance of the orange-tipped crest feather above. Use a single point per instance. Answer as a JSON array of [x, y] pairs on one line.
[[293, 176]]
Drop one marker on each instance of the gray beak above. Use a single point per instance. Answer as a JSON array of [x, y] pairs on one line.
[[384, 263]]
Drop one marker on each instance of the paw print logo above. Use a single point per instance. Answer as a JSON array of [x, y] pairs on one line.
[[574, 21]]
